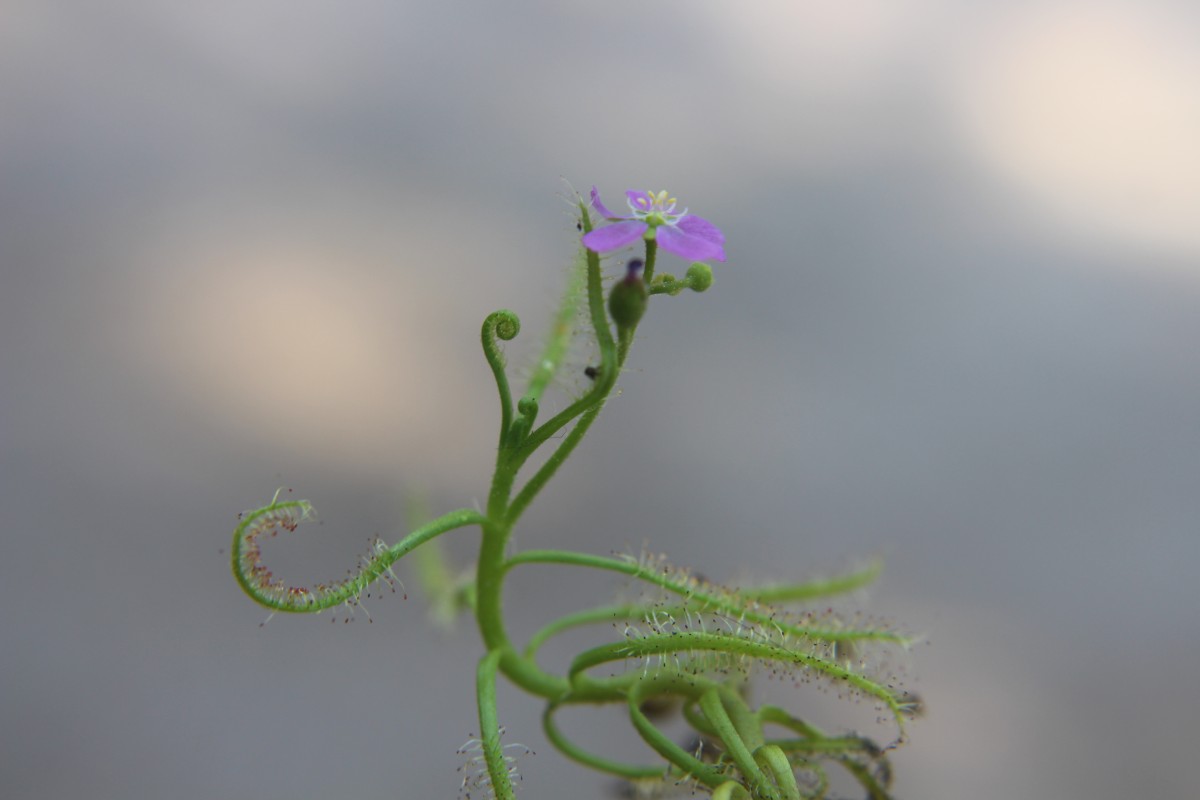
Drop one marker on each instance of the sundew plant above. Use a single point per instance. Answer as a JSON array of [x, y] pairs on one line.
[[682, 649]]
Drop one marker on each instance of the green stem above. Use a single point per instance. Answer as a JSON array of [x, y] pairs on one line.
[[694, 717], [660, 742], [556, 460], [489, 726], [604, 341], [624, 342], [731, 790], [875, 789], [589, 405], [625, 335], [812, 590], [502, 512], [505, 325], [840, 745], [244, 556], [738, 649], [705, 596], [745, 720], [589, 616], [773, 759], [489, 614], [849, 751], [576, 753], [576, 559], [735, 746], [489, 611], [651, 254]]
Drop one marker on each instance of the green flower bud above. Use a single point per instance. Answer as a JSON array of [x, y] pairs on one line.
[[627, 303], [699, 276], [527, 407]]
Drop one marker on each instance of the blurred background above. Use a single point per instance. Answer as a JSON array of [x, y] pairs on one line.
[[249, 245]]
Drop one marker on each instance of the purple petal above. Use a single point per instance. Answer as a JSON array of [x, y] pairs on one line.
[[698, 226], [611, 237], [687, 245], [604, 212], [639, 201]]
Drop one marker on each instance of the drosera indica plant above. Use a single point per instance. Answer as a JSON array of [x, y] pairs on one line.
[[683, 642]]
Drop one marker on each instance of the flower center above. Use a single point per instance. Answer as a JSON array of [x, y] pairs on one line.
[[655, 208]]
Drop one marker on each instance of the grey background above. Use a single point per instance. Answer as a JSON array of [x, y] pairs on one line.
[[246, 245]]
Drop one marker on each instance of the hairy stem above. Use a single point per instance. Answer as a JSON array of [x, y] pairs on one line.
[[489, 727], [258, 581]]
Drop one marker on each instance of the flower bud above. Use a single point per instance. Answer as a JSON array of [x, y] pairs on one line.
[[699, 276], [627, 303]]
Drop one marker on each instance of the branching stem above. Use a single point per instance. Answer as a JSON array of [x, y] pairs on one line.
[[689, 643]]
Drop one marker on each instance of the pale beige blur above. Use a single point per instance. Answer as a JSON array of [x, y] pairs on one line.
[[1092, 111], [341, 352]]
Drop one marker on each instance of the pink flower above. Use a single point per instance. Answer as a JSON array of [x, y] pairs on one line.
[[654, 217]]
